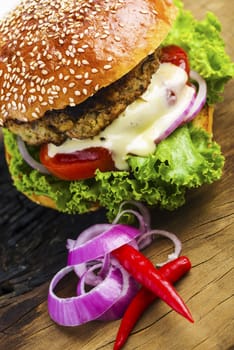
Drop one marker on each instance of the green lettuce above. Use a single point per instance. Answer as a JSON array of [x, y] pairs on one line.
[[205, 47], [187, 159]]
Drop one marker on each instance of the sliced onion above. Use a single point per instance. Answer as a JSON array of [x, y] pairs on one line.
[[171, 236], [200, 97], [130, 288], [77, 310], [143, 217], [89, 278], [112, 238], [85, 270], [171, 121], [28, 158], [85, 236]]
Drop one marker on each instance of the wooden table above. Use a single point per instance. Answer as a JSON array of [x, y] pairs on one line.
[[205, 226]]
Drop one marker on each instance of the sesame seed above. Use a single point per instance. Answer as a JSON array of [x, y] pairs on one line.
[[107, 66], [88, 82], [51, 79], [44, 72], [53, 93], [94, 70], [144, 12], [103, 36]]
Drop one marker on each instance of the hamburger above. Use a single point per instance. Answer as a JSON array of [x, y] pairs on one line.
[[105, 101]]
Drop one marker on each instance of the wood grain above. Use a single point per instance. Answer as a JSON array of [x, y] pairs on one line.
[[205, 226]]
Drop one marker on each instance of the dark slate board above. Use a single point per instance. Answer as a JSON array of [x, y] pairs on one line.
[[32, 238]]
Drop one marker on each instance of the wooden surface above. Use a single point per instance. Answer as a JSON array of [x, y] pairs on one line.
[[205, 226]]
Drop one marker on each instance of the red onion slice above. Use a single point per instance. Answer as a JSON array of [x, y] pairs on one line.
[[107, 301], [143, 215], [77, 310], [89, 278], [172, 120], [104, 243], [85, 236], [143, 219], [84, 270], [28, 158], [200, 97], [129, 290], [90, 233], [171, 236]]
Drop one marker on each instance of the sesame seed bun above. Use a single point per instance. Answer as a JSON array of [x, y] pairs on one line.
[[203, 120], [59, 53]]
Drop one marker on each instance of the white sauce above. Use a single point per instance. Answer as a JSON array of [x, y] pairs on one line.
[[143, 121]]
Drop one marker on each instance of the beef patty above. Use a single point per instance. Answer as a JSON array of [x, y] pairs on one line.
[[93, 115]]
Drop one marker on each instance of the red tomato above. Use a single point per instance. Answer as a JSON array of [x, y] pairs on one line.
[[176, 55], [78, 165]]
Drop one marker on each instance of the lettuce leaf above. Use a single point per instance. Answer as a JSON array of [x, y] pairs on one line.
[[186, 159], [205, 47]]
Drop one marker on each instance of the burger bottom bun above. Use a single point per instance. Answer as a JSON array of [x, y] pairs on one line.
[[203, 120]]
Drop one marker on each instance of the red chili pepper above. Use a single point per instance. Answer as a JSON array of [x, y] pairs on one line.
[[172, 271], [151, 278]]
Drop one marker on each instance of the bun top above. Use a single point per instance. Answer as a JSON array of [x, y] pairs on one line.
[[55, 53]]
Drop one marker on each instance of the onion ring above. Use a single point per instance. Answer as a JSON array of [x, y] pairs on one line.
[[28, 158]]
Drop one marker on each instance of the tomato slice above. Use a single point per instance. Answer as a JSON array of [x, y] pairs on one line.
[[175, 55], [77, 165]]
